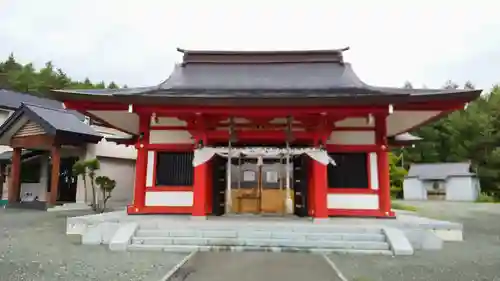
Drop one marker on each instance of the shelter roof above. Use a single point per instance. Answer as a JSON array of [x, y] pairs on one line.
[[439, 171], [49, 121]]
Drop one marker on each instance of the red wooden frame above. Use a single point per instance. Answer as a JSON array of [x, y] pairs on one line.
[[265, 111], [360, 190], [173, 147], [169, 188], [170, 148], [356, 129], [359, 213], [131, 210]]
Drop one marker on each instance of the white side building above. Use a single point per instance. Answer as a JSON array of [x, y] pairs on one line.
[[441, 181]]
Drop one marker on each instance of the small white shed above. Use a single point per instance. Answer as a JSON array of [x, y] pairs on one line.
[[441, 181]]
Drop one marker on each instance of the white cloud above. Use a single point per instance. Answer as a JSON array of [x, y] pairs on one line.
[[134, 42]]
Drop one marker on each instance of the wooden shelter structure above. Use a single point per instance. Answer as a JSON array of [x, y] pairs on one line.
[[39, 128]]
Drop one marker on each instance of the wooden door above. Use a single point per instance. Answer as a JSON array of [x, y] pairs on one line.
[[245, 190], [273, 177]]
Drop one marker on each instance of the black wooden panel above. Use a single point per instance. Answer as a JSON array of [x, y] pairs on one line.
[[300, 183], [174, 169], [219, 181], [351, 170]]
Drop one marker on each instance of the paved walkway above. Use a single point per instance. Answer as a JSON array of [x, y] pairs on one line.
[[252, 266]]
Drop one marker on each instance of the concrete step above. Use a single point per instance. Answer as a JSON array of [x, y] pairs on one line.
[[191, 248], [194, 241], [303, 228], [343, 236]]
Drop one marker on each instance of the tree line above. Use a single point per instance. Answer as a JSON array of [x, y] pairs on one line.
[[26, 79], [472, 134]]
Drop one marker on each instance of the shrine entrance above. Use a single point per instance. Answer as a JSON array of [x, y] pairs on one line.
[[261, 180], [260, 188]]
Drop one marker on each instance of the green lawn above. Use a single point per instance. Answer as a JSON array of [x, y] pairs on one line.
[[400, 206]]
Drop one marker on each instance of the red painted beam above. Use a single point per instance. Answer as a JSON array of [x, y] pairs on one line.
[[352, 148], [258, 135], [363, 128], [257, 111], [94, 106]]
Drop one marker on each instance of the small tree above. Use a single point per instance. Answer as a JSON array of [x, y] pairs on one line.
[[93, 165], [106, 185], [87, 168], [80, 170], [397, 174]]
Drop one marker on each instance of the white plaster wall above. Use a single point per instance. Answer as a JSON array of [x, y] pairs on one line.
[[38, 189], [167, 121], [461, 189], [413, 189], [352, 201], [150, 168], [123, 172], [157, 136], [4, 114], [169, 198], [123, 120], [351, 137], [402, 120], [354, 122], [113, 150], [373, 170]]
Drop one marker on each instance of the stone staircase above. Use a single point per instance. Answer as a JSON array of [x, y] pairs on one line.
[[318, 238]]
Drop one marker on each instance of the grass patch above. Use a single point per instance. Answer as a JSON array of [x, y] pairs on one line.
[[486, 198], [399, 206]]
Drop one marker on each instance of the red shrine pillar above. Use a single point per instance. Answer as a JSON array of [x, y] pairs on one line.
[[384, 189], [141, 164], [200, 187], [320, 181], [15, 174]]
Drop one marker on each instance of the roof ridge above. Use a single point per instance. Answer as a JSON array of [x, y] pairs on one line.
[[270, 52], [46, 107]]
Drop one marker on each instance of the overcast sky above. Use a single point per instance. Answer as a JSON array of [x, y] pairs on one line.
[[134, 42]]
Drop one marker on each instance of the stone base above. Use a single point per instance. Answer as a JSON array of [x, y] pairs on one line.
[[264, 233], [321, 220], [198, 218], [33, 205]]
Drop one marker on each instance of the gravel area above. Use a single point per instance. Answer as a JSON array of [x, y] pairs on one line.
[[476, 258], [34, 247]]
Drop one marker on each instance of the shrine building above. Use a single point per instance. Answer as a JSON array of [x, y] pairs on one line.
[[264, 132]]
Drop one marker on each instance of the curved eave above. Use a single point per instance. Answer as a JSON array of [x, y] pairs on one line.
[[339, 96]]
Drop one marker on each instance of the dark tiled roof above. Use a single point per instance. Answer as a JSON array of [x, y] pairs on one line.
[[265, 78], [53, 121], [13, 100], [61, 120], [439, 171]]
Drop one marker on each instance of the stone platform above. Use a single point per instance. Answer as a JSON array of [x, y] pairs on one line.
[[178, 233]]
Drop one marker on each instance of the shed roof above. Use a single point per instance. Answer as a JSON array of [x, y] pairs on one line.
[[439, 171], [12, 100], [52, 120]]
